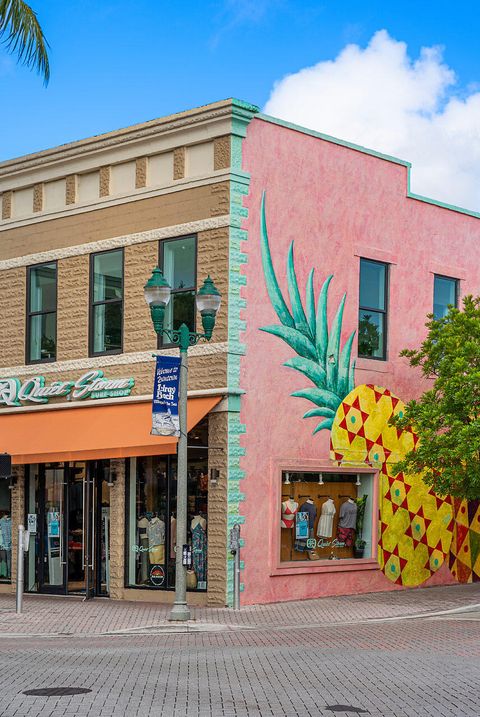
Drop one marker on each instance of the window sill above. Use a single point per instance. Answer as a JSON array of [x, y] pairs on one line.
[[333, 566], [370, 364]]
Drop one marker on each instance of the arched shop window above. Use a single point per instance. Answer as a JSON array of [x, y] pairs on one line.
[[152, 511], [326, 516]]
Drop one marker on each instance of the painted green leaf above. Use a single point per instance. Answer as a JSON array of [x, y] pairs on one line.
[[333, 348], [274, 292], [351, 377], [295, 339], [305, 329], [297, 307], [327, 424], [311, 315], [344, 366], [309, 368], [319, 396], [325, 412], [322, 321]]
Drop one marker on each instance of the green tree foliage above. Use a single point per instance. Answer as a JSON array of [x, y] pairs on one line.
[[446, 417], [22, 35]]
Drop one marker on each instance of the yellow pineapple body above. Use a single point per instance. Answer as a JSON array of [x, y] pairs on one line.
[[415, 525]]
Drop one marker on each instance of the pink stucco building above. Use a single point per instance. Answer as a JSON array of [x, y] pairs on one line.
[[349, 212], [327, 266]]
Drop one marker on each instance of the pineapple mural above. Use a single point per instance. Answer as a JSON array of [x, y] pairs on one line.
[[417, 528]]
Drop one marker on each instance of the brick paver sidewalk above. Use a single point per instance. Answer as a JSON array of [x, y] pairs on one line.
[[73, 616]]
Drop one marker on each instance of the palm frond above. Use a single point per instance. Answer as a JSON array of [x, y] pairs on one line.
[[295, 299], [344, 366], [327, 423], [274, 292], [310, 369], [22, 34], [295, 339], [322, 321], [319, 396], [319, 354], [311, 317], [325, 412], [333, 347]]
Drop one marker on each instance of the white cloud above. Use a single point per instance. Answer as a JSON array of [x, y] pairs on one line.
[[383, 99]]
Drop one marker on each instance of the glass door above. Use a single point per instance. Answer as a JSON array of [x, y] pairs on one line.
[[53, 556], [77, 500]]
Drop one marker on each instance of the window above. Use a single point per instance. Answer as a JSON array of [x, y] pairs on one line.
[[326, 516], [42, 313], [152, 516], [178, 260], [445, 294], [5, 531], [372, 319], [106, 309]]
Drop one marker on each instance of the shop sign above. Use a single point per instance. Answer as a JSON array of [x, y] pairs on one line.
[[157, 575], [322, 543], [92, 384], [165, 421]]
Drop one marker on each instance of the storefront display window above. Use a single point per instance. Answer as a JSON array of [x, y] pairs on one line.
[[152, 504], [326, 516], [5, 532]]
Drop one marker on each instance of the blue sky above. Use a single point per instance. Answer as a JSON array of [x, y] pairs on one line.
[[118, 63]]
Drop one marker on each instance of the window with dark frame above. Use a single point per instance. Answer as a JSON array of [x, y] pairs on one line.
[[41, 313], [373, 306], [178, 261], [445, 294], [106, 302]]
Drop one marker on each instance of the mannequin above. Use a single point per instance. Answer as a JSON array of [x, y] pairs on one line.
[[325, 523], [156, 540], [198, 527], [301, 543], [347, 522], [289, 510], [142, 525], [6, 530]]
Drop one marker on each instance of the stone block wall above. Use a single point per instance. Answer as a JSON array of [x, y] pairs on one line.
[[117, 530], [217, 509]]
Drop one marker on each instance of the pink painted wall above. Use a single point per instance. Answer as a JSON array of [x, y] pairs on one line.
[[337, 204]]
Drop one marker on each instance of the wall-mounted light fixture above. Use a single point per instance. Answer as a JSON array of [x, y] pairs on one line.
[[214, 476], [112, 479]]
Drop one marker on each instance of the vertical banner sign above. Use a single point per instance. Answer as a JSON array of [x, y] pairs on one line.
[[165, 421]]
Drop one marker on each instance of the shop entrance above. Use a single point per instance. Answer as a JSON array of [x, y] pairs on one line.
[[72, 514]]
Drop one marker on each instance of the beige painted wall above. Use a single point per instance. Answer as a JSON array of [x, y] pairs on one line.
[[179, 207]]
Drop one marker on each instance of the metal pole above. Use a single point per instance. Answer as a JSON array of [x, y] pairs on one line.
[[20, 548], [180, 610], [236, 580]]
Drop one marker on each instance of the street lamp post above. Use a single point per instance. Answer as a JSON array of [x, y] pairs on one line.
[[157, 295]]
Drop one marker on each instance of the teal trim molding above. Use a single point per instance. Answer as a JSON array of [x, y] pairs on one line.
[[242, 114]]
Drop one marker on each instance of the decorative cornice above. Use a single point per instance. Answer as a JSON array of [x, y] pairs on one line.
[[173, 230], [172, 123], [110, 201], [204, 349]]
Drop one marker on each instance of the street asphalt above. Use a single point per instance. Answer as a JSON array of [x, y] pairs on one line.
[[407, 666]]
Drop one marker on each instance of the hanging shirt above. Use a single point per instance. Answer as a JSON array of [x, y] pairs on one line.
[[312, 513], [156, 532], [348, 515], [6, 528]]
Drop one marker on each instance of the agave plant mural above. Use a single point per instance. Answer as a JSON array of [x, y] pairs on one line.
[[305, 329]]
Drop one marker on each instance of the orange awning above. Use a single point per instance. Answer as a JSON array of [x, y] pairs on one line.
[[85, 433]]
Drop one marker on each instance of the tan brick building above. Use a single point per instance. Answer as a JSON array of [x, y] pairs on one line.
[[81, 229]]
